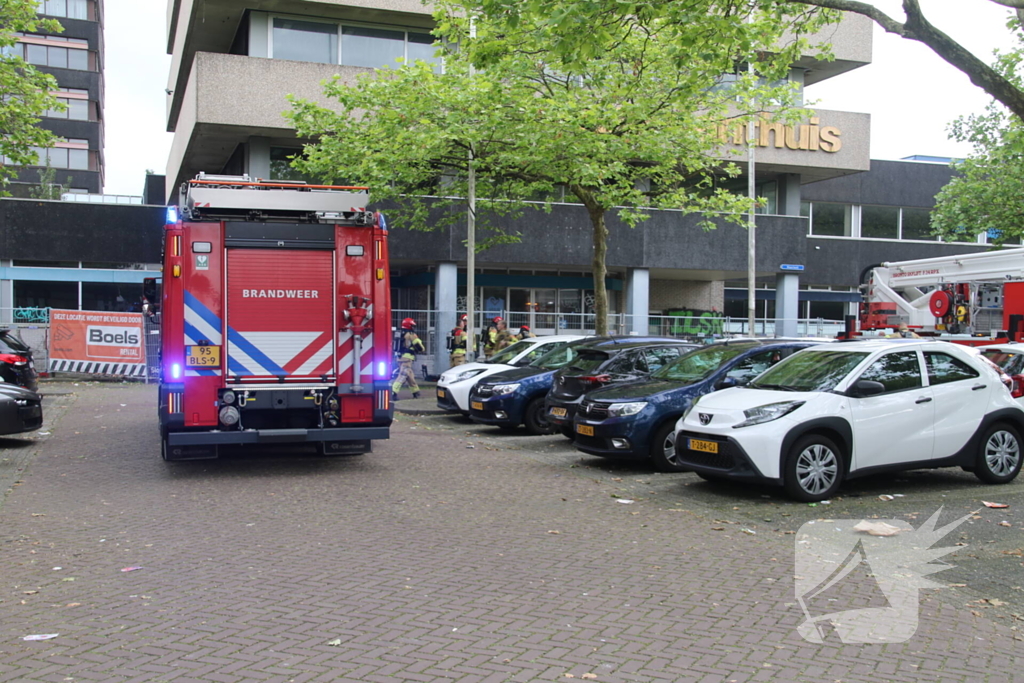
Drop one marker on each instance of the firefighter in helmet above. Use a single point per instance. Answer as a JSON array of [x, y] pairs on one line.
[[410, 344], [457, 342], [490, 335], [525, 333], [498, 338]]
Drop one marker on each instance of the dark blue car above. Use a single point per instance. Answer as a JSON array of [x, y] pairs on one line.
[[513, 397], [638, 419]]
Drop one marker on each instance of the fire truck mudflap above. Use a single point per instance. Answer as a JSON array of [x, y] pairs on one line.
[[276, 320]]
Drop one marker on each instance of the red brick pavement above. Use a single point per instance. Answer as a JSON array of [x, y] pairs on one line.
[[423, 561]]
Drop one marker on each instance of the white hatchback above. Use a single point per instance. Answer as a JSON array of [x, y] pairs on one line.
[[839, 411], [454, 384]]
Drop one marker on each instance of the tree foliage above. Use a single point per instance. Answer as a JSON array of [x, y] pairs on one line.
[[626, 130], [987, 195], [25, 92]]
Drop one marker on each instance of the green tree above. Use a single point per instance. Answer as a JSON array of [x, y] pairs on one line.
[[987, 195], [626, 131], [48, 188], [25, 93]]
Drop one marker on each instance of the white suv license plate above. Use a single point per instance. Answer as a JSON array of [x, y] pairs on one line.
[[703, 446]]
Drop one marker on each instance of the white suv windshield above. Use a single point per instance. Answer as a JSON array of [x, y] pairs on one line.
[[506, 355], [810, 371]]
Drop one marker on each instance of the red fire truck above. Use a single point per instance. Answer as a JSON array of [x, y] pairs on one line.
[[972, 299], [275, 318]]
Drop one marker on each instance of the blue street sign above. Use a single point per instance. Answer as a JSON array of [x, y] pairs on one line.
[[790, 266]]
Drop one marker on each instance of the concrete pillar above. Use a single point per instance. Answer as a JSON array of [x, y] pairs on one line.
[[638, 298], [446, 283], [789, 194], [257, 163], [787, 304], [6, 300]]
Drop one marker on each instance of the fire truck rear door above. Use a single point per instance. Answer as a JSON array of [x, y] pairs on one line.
[[281, 310]]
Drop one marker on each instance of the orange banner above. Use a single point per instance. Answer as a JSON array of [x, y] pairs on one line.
[[97, 342]]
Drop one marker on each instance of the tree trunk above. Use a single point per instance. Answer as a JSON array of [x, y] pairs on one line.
[[600, 232]]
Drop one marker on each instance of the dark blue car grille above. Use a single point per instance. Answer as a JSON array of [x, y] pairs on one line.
[[593, 411]]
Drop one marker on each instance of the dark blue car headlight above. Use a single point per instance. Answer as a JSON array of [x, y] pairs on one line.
[[504, 389], [626, 409]]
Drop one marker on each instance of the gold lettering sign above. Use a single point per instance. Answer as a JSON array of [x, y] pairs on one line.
[[810, 137]]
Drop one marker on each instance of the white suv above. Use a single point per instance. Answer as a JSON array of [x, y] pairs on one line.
[[838, 411]]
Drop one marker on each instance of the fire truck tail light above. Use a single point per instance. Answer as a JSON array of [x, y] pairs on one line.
[[1017, 388], [380, 273], [176, 270]]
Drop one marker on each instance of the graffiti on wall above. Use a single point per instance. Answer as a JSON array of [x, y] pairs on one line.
[[696, 322]]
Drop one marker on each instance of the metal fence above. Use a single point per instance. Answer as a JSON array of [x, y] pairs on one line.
[[33, 326], [704, 328]]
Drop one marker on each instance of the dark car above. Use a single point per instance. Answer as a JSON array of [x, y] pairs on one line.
[[513, 397], [637, 419], [21, 410], [16, 366], [605, 361]]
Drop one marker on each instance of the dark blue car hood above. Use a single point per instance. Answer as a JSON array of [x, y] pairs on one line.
[[515, 375], [632, 391]]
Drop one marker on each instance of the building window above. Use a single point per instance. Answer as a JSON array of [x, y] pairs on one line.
[[42, 294], [831, 219], [72, 154], [104, 296], [305, 41], [55, 51], [77, 102], [72, 9], [769, 192], [915, 225], [880, 222], [315, 41], [281, 169]]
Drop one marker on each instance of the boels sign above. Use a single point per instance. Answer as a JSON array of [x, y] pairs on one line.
[[96, 342]]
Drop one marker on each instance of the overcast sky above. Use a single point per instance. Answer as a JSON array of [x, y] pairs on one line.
[[911, 94]]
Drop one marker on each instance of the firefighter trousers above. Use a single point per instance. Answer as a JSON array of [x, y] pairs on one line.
[[406, 377]]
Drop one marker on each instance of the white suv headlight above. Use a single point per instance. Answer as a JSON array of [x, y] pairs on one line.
[[502, 389], [624, 409], [772, 411], [464, 376]]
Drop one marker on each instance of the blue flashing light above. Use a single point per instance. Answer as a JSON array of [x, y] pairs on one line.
[[172, 215], [382, 369], [176, 371], [383, 221]]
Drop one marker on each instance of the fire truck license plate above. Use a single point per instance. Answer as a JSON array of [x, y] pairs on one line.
[[202, 356], [558, 412], [705, 446], [585, 430]]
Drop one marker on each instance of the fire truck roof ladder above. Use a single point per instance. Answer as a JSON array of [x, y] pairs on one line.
[[239, 197]]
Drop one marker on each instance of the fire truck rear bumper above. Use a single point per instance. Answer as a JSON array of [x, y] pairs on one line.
[[270, 436]]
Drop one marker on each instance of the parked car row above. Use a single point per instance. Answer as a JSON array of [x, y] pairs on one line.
[[21, 408], [800, 414]]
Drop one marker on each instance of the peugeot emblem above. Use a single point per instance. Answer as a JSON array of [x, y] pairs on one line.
[[704, 418]]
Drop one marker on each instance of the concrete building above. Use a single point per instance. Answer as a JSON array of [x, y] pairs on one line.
[[75, 59], [235, 61]]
